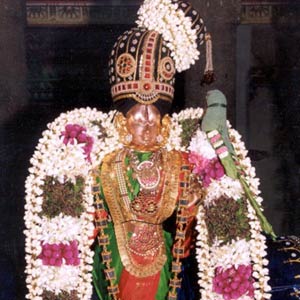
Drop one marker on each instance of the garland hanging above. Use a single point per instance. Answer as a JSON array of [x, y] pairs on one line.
[[58, 253]]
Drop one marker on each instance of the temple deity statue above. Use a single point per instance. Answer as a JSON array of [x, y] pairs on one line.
[[142, 204]]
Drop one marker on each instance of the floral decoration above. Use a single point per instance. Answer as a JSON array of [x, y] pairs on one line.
[[75, 133], [227, 220], [63, 198], [189, 127], [231, 259], [165, 17], [230, 243], [61, 296], [206, 169], [233, 283], [229, 233], [59, 204], [57, 254]]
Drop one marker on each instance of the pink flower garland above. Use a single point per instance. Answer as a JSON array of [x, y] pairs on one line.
[[207, 169], [76, 132], [56, 254], [234, 282]]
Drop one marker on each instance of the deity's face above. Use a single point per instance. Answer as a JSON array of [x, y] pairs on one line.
[[144, 124]]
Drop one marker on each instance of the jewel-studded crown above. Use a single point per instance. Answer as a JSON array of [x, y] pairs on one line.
[[141, 67], [144, 60]]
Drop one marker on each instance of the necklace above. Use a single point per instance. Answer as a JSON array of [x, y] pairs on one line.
[[147, 172], [149, 176], [176, 184]]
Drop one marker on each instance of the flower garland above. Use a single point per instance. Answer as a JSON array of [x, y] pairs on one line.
[[167, 18], [236, 268], [58, 242], [177, 133], [59, 204]]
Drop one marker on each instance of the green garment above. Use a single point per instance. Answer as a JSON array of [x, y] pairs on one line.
[[100, 283]]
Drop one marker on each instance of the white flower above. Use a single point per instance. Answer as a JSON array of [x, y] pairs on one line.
[[57, 279], [201, 145], [233, 254], [228, 187], [166, 18]]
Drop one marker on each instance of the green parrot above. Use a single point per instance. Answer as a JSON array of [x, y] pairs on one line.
[[215, 121], [214, 124], [215, 117]]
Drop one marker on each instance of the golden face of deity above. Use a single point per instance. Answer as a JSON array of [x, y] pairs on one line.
[[143, 129], [144, 125]]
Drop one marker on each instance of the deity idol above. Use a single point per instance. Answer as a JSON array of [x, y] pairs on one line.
[[144, 183]]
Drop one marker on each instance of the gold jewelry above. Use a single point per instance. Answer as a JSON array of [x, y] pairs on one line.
[[121, 127], [146, 172], [147, 239], [124, 218], [101, 224], [165, 130]]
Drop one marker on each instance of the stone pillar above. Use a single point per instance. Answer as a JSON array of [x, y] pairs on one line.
[[12, 58], [221, 18], [12, 160]]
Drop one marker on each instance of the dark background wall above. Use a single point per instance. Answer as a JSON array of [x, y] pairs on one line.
[[53, 57]]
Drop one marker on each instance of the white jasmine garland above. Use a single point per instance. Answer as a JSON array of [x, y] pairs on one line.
[[258, 256], [174, 141], [188, 113], [64, 162], [237, 252], [60, 228], [166, 18], [201, 145], [228, 187], [205, 267], [233, 254], [56, 279]]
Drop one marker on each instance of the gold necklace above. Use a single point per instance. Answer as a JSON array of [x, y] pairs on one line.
[[182, 171], [150, 177], [147, 172]]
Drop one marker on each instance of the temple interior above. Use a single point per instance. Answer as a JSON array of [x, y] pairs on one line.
[[54, 57]]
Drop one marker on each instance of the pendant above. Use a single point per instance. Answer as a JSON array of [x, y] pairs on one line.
[[146, 240], [148, 175], [144, 204]]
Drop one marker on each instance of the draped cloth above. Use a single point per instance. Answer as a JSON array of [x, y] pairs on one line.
[[133, 288]]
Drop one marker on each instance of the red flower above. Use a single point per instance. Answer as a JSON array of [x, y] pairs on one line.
[[199, 163]]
